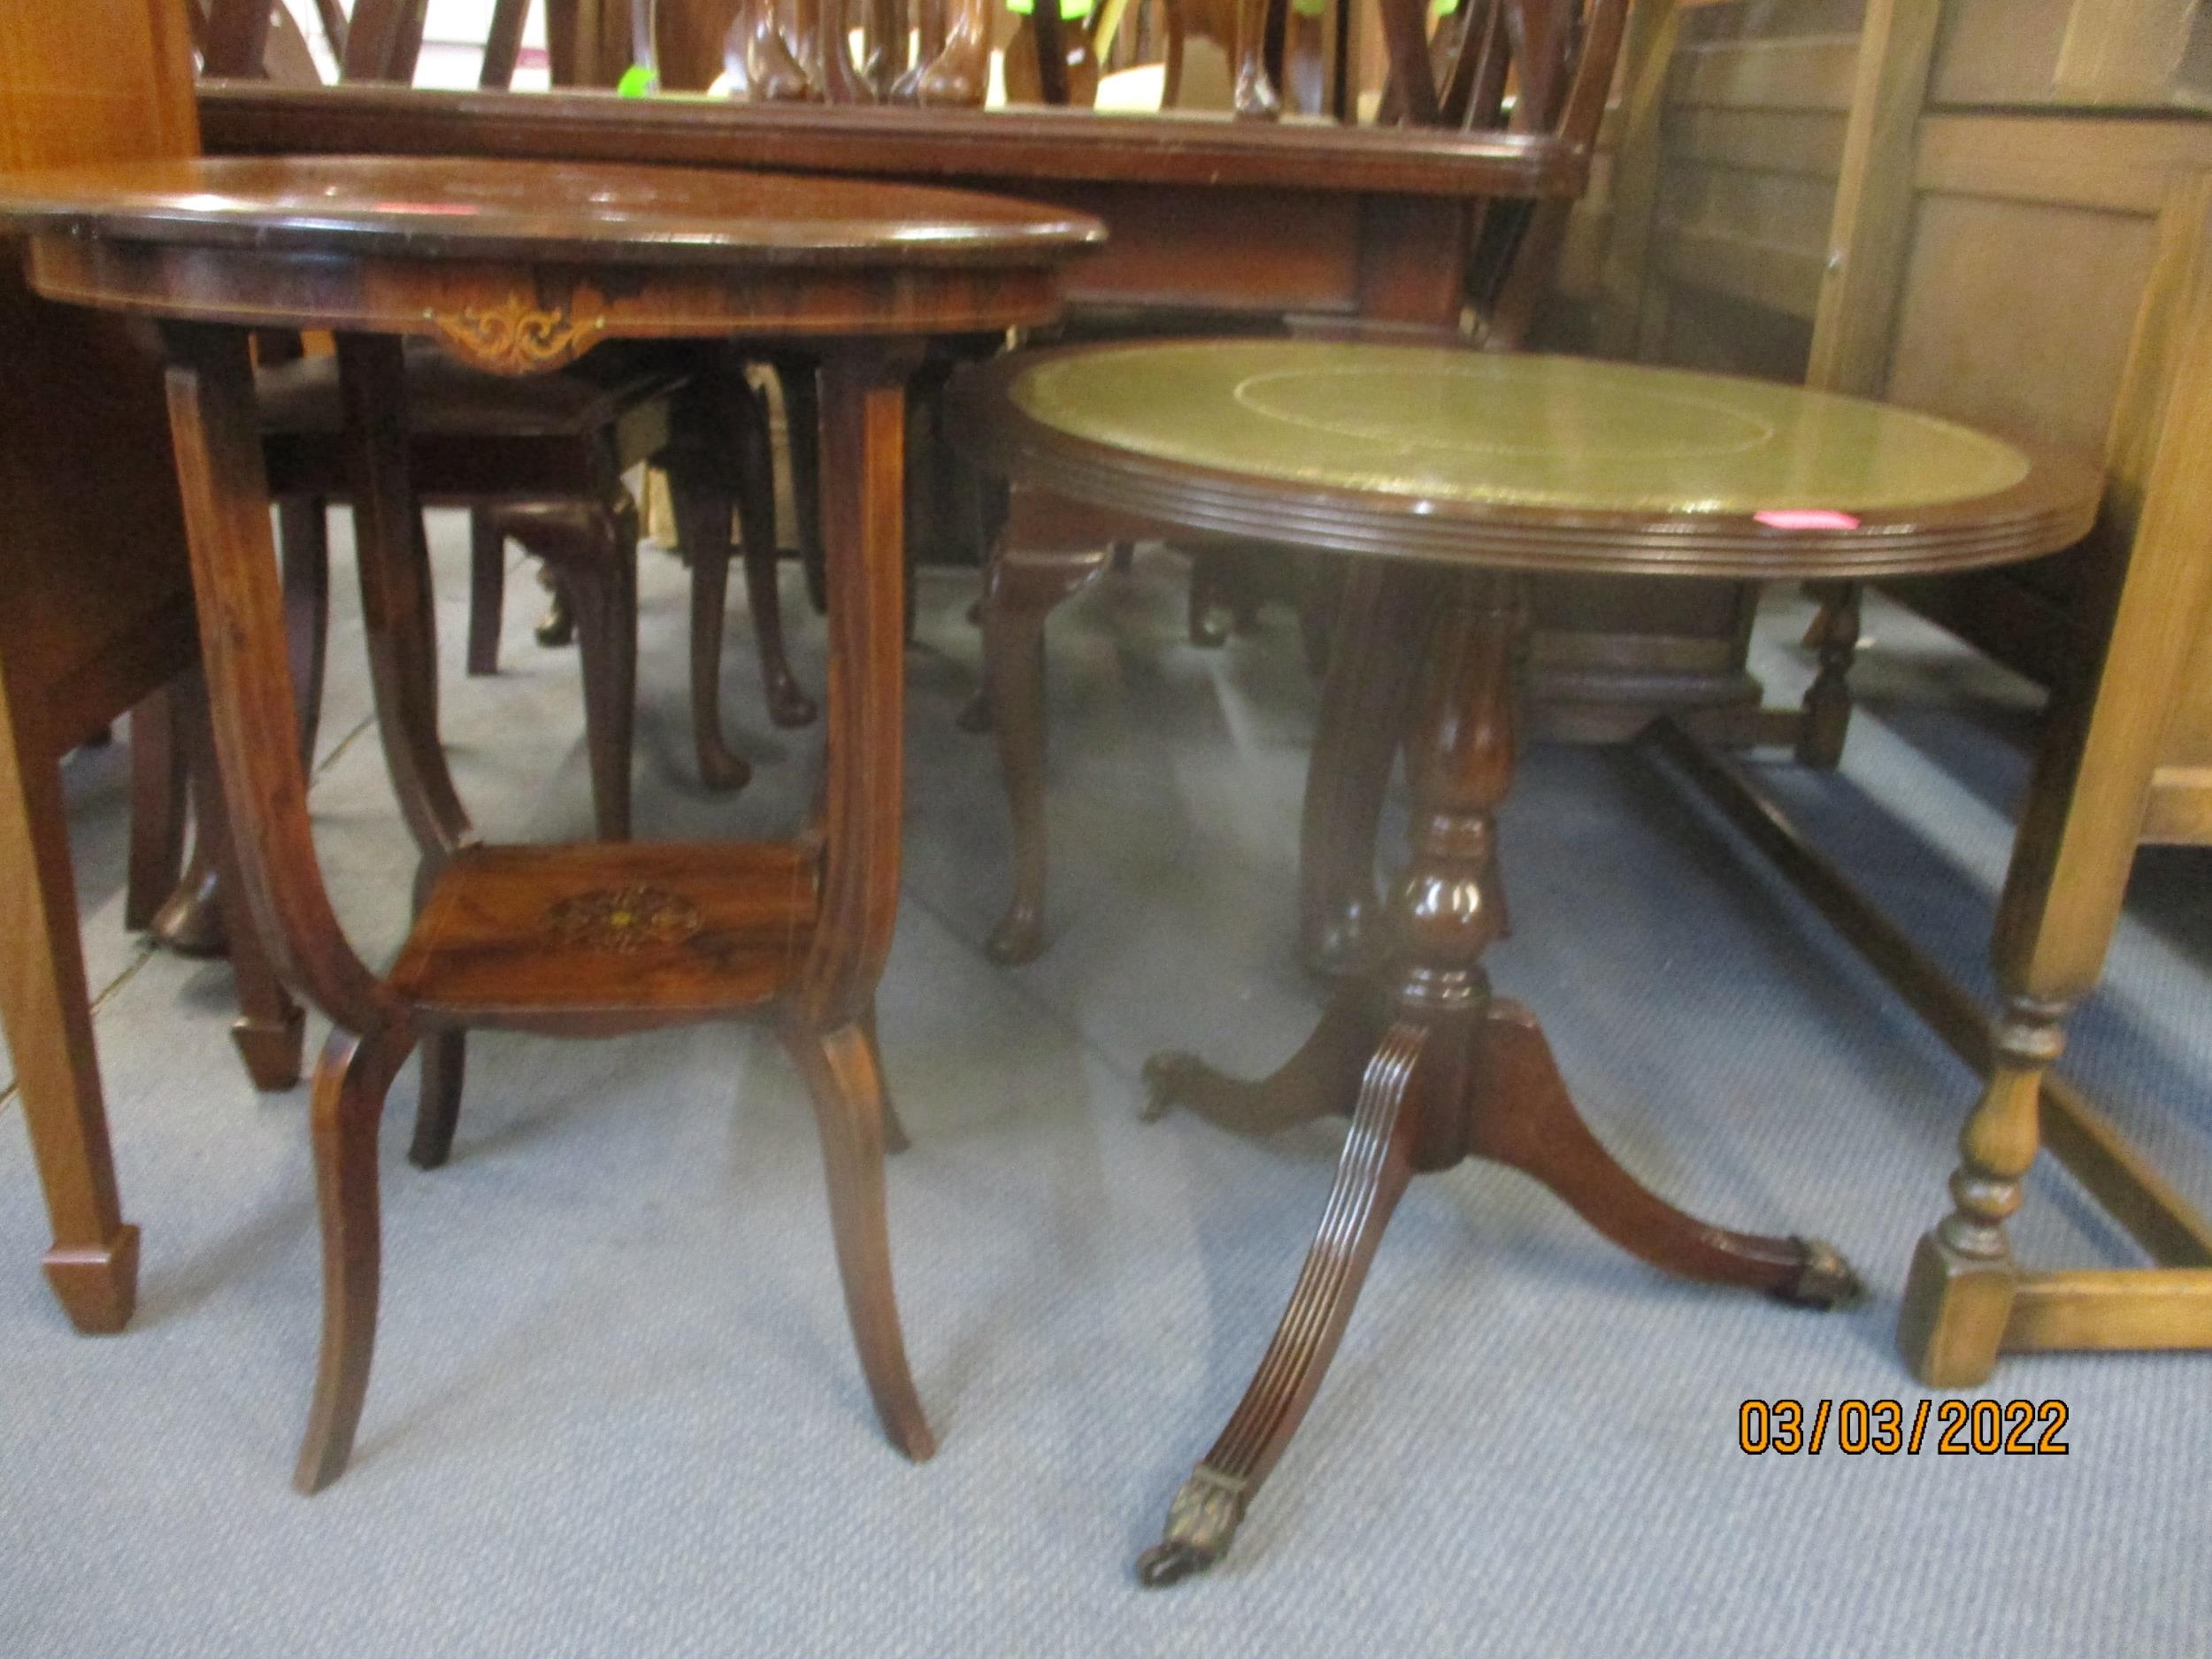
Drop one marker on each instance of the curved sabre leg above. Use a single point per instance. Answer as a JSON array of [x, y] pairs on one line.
[[350, 1082], [1527, 1120], [846, 1090], [1370, 1176], [1320, 1078]]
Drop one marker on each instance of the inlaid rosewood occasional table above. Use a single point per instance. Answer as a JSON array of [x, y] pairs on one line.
[[1453, 473], [517, 267]]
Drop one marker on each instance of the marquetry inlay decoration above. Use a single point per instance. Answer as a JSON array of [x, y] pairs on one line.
[[624, 918], [517, 337]]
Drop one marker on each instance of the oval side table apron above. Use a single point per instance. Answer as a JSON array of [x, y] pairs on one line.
[[1448, 474]]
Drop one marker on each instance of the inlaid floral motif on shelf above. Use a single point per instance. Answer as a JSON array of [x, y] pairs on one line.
[[624, 918]]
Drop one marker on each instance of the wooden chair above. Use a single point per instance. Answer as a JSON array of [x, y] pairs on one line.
[[538, 459], [791, 50], [1056, 60], [1556, 58]]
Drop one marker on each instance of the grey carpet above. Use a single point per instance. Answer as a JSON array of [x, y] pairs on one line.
[[615, 1408]]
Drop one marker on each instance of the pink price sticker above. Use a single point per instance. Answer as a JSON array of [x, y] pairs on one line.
[[1806, 518]]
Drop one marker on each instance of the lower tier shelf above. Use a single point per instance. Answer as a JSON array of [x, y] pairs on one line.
[[640, 933]]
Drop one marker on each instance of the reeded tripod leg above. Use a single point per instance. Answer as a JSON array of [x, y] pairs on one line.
[[1522, 1116], [350, 1082], [1370, 1176], [1408, 1114]]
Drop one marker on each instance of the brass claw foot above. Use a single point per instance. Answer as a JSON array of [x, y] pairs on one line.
[[1825, 1282], [1200, 1523]]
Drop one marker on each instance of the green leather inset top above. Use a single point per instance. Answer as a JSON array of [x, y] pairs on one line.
[[1427, 422]]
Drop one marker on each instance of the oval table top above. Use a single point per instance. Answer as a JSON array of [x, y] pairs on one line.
[[1520, 461], [448, 208]]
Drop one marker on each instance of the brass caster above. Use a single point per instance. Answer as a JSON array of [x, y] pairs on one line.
[[1200, 1523], [1825, 1282]]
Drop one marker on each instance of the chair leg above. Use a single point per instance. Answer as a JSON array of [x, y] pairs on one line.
[[787, 704], [304, 552], [803, 432], [840, 1074], [157, 811], [701, 502], [1020, 592], [558, 627], [487, 590], [589, 551], [438, 1104], [605, 593], [191, 921], [351, 1079], [1826, 720]]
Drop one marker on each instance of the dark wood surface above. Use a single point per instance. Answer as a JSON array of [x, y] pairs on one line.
[[804, 931], [1039, 146], [547, 212], [1430, 1066]]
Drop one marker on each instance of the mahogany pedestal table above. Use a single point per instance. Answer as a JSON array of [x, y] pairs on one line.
[[1450, 475], [517, 267]]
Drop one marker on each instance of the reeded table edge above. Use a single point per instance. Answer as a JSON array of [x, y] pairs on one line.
[[2052, 508]]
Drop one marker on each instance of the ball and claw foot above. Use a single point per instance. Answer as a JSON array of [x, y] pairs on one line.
[[1825, 1282], [1164, 1075], [1200, 1523]]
